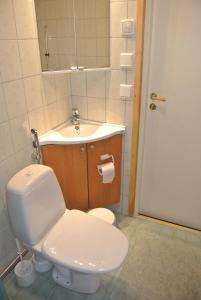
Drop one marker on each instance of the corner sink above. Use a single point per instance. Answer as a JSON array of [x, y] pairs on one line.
[[83, 131], [87, 132]]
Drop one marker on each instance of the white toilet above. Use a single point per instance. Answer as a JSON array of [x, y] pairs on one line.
[[78, 245], [103, 214]]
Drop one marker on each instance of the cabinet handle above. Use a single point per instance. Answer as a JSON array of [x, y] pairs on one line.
[[91, 146], [82, 149]]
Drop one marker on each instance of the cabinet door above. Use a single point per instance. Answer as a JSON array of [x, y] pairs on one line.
[[102, 195], [69, 163]]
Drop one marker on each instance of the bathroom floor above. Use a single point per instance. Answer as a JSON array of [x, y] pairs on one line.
[[162, 263]]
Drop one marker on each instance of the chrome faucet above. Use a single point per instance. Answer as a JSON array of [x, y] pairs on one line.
[[75, 119]]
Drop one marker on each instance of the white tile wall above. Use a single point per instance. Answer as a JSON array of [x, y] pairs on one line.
[[117, 45], [27, 99], [96, 109], [79, 84], [113, 80], [118, 12], [6, 148], [115, 112], [7, 29], [25, 19], [9, 60], [51, 115], [33, 92], [49, 85], [20, 132], [96, 94], [96, 84], [3, 113], [29, 56], [14, 96]]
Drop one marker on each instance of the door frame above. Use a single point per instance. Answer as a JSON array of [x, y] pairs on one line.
[[142, 56]]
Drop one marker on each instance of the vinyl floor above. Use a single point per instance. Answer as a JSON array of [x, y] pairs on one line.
[[163, 263]]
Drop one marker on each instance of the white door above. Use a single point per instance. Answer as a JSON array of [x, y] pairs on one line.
[[171, 160]]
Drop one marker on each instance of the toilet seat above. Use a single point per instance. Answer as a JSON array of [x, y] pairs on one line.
[[103, 214], [85, 243]]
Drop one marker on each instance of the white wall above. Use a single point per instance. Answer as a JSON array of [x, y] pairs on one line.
[[26, 100], [96, 94]]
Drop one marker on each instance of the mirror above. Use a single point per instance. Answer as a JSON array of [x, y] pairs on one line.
[[73, 33]]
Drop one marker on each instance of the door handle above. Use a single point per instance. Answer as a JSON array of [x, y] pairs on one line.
[[154, 96]]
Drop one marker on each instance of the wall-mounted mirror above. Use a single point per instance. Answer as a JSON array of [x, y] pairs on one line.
[[73, 33]]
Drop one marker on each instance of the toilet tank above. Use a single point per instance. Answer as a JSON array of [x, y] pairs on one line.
[[35, 203]]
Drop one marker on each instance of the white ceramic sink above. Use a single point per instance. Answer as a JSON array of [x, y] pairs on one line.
[[83, 131], [88, 132]]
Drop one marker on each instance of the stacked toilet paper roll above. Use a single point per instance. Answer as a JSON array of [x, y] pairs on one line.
[[107, 171]]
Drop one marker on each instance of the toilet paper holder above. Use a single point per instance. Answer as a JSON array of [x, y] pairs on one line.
[[107, 174], [107, 156], [104, 157]]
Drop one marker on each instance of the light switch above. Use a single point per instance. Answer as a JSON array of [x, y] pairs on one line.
[[126, 91], [127, 27]]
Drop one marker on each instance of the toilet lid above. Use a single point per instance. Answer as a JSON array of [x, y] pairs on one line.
[[104, 214], [85, 243]]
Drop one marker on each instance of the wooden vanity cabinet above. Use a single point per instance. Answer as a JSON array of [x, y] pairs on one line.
[[75, 167], [69, 163]]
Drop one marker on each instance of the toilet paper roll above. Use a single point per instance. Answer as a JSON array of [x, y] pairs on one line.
[[107, 171]]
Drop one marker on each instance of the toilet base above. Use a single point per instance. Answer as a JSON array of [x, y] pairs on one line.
[[76, 281], [40, 264]]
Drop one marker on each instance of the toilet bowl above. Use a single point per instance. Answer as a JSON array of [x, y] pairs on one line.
[[79, 246]]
